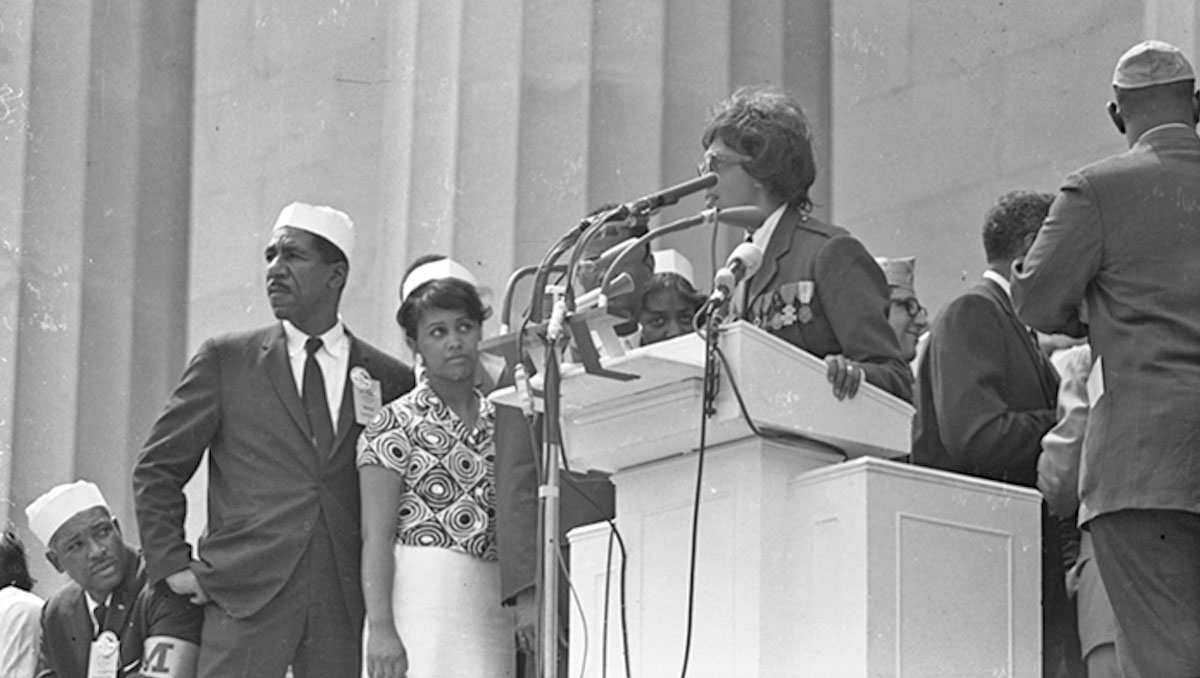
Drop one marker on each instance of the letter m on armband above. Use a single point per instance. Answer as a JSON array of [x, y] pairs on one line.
[[167, 657]]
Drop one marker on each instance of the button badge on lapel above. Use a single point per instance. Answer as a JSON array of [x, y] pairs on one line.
[[368, 395]]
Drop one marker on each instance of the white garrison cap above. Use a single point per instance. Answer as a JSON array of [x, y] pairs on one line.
[[672, 261], [899, 271], [332, 224], [59, 504], [434, 270], [1149, 63]]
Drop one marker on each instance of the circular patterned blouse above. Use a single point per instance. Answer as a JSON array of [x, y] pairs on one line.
[[449, 496]]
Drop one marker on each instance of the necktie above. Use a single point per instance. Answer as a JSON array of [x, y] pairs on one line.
[[99, 612], [312, 392]]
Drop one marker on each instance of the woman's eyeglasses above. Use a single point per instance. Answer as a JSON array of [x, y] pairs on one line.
[[713, 162]]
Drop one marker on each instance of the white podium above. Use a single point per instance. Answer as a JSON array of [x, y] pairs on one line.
[[805, 566]]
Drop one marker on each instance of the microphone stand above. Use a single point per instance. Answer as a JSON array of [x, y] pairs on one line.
[[548, 499], [557, 329]]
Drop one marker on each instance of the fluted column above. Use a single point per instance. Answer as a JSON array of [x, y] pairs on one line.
[[505, 122], [16, 33], [96, 311], [1175, 21]]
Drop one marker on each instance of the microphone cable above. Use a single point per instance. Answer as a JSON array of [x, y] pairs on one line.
[[614, 532], [710, 342], [562, 568], [712, 351]]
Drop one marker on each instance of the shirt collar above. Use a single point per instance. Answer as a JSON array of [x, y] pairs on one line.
[[93, 603], [333, 340], [999, 280], [762, 235], [1165, 125]]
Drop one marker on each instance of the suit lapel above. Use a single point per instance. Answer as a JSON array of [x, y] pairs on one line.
[[1044, 370], [781, 243], [279, 371], [81, 630], [346, 421]]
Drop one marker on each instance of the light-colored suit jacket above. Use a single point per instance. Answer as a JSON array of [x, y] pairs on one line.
[[267, 484], [1124, 235]]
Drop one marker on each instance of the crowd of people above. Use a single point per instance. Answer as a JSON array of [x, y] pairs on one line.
[[368, 517]]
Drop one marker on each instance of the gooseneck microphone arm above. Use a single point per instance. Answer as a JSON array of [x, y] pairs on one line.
[[510, 287], [740, 215]]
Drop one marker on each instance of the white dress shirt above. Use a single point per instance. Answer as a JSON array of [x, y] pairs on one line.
[[999, 280], [762, 235], [92, 604], [333, 357]]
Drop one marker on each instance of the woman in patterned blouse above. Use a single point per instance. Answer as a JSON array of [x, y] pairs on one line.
[[431, 582]]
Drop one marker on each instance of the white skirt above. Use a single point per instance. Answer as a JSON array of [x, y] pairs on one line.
[[448, 615]]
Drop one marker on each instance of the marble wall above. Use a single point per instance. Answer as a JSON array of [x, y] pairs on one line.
[[147, 147]]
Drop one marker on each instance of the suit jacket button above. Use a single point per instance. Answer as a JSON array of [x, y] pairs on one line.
[[307, 526]]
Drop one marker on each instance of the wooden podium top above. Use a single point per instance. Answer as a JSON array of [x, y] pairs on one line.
[[610, 424]]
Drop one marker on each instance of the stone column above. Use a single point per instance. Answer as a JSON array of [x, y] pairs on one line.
[[101, 297], [506, 122], [1174, 21]]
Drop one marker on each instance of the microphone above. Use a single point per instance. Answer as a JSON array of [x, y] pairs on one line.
[[669, 196], [743, 216], [741, 264]]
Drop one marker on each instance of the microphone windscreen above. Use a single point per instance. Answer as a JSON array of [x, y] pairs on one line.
[[750, 255]]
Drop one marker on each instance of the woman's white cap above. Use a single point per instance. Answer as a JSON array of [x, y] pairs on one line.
[[434, 270], [672, 261]]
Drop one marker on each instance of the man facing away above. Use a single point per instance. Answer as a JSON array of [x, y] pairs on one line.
[[986, 396], [108, 621], [1124, 236], [278, 409]]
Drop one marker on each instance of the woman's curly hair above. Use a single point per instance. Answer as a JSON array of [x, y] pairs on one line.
[[766, 124]]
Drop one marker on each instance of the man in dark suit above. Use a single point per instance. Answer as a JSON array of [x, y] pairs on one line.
[[986, 396], [106, 621], [1124, 235], [279, 410]]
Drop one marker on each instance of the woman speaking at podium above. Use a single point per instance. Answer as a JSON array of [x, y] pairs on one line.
[[817, 288]]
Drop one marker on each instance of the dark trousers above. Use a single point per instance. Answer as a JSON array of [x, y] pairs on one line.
[[306, 626], [1149, 560], [1061, 656]]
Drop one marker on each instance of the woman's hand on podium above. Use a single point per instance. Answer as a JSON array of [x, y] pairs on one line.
[[844, 374]]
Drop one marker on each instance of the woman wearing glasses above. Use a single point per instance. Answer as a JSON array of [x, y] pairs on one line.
[[818, 288]]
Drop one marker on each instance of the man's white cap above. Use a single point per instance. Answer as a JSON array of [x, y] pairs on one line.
[[332, 224], [672, 261], [1149, 63], [434, 270], [48, 512]]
